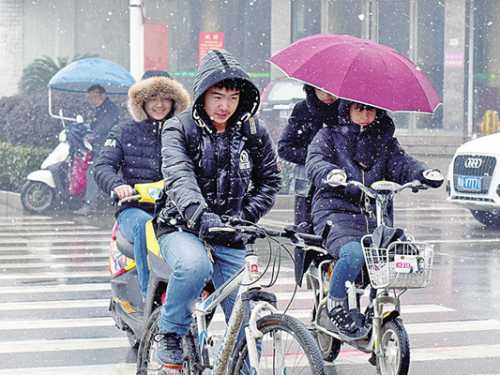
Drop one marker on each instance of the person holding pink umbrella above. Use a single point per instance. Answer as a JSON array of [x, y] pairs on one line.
[[319, 109], [362, 147]]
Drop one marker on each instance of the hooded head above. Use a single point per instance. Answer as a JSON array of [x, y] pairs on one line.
[[327, 112], [218, 66], [154, 84], [344, 112]]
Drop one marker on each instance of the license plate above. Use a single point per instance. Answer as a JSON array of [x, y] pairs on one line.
[[469, 183], [405, 264]]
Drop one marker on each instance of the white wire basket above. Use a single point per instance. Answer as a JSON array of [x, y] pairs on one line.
[[402, 265]]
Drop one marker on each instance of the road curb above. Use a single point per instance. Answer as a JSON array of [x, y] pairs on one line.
[[11, 199]]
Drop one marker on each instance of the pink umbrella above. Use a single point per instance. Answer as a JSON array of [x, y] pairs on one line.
[[358, 70]]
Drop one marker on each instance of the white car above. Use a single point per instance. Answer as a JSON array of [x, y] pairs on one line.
[[474, 179]]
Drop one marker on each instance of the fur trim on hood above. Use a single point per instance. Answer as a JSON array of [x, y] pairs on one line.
[[140, 91]]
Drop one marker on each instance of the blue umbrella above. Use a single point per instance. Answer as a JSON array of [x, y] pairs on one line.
[[81, 74]]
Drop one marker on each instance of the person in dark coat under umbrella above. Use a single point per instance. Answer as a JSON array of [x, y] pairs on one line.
[[362, 148], [132, 154], [217, 160], [318, 110]]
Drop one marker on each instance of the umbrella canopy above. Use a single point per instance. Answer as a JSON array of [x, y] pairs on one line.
[[358, 70], [81, 74]]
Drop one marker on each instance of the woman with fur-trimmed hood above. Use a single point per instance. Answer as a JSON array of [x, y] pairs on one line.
[[132, 154]]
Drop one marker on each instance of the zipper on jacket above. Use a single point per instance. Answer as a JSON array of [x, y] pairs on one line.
[[363, 209]]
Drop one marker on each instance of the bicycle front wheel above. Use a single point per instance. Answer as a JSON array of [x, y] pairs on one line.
[[287, 347], [394, 343]]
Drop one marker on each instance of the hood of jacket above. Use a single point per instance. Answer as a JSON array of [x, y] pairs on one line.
[[140, 91], [217, 66], [369, 142], [326, 112]]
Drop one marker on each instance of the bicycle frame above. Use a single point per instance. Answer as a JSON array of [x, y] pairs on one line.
[[247, 278], [378, 297]]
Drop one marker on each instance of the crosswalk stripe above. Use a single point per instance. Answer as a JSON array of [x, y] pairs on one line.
[[50, 305], [34, 289], [25, 218], [112, 369], [35, 248], [48, 257], [55, 228], [53, 275], [40, 241], [35, 346], [58, 233], [72, 304], [14, 223], [353, 357], [51, 265]]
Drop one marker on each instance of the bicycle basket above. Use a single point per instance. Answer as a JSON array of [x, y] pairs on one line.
[[402, 265]]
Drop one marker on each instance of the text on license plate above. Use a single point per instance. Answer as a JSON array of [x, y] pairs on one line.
[[469, 183]]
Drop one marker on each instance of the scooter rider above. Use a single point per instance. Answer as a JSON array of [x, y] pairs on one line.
[[216, 160], [362, 147], [132, 154]]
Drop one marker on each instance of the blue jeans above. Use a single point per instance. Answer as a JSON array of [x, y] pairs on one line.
[[132, 223], [186, 254], [347, 267]]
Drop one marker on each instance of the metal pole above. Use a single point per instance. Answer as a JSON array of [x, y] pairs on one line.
[[470, 83], [136, 38]]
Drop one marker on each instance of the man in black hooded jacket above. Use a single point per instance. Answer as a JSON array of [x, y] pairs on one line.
[[216, 160]]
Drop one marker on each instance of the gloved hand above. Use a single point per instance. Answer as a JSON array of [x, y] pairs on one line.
[[209, 220], [353, 193], [431, 177], [336, 178]]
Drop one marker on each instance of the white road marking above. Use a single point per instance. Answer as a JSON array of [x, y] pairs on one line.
[[34, 248], [34, 289], [53, 275], [52, 265], [37, 346], [57, 233], [51, 305], [112, 369], [50, 257]]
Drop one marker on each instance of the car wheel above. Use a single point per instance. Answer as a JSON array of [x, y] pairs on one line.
[[487, 218]]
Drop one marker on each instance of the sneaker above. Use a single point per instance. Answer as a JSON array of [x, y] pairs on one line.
[[170, 354], [345, 325]]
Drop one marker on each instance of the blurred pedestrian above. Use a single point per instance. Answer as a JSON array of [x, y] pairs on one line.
[[106, 116]]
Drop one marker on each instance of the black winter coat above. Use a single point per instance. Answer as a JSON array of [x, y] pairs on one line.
[[235, 175], [134, 149], [308, 116], [106, 116], [366, 156], [246, 186]]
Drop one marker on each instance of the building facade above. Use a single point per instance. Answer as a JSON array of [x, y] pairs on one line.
[[452, 41]]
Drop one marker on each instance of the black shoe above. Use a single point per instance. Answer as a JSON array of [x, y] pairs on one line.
[[345, 325], [170, 353]]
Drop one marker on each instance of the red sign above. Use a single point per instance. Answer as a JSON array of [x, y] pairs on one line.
[[155, 47], [208, 41]]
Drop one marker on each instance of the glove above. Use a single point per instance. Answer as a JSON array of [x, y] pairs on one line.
[[431, 177], [353, 193], [336, 178], [210, 220]]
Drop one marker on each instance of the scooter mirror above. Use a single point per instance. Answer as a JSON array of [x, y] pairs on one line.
[[79, 119]]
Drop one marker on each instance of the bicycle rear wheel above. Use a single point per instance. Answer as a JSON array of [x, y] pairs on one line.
[[287, 347]]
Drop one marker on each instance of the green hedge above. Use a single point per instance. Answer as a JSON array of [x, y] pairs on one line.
[[17, 163]]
